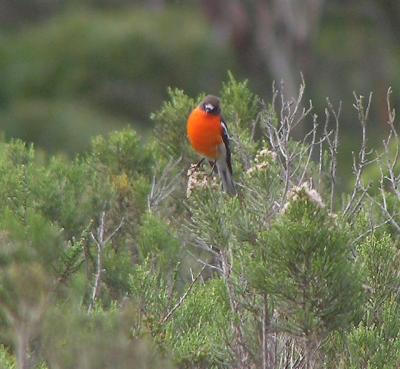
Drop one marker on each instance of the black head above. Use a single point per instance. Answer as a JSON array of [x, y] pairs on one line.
[[211, 105]]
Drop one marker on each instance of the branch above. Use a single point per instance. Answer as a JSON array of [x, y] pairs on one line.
[[310, 150], [392, 164], [165, 185], [360, 164], [100, 243], [182, 298], [332, 146]]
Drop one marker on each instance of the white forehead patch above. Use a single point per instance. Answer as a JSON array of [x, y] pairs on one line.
[[209, 106]]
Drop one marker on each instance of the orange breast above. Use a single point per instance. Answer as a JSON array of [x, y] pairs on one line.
[[204, 132]]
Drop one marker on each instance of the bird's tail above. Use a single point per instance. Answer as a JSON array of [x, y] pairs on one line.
[[226, 176]]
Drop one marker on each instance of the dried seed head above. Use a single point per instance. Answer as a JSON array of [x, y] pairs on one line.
[[198, 179], [304, 191], [261, 162], [265, 154]]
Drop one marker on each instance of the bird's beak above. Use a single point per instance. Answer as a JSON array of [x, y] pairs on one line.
[[209, 107]]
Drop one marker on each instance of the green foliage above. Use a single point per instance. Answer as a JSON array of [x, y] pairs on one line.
[[56, 189], [198, 334], [150, 294], [127, 164], [374, 342], [240, 108], [99, 255], [72, 194], [380, 261], [240, 104], [29, 250], [76, 340], [122, 152], [375, 346], [170, 124], [156, 242], [306, 268], [16, 169], [263, 176], [118, 265], [213, 217], [31, 238], [7, 361]]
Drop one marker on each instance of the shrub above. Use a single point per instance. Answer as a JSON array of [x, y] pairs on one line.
[[110, 258]]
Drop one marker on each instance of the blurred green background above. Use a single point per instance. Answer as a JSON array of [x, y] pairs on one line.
[[70, 69]]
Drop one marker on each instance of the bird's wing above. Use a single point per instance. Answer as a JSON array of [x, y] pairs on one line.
[[226, 138]]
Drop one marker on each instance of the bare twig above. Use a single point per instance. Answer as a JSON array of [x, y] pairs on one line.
[[310, 149], [204, 263], [240, 349], [164, 186], [391, 164], [385, 211], [100, 241], [360, 164], [267, 356], [371, 230], [289, 155], [332, 145], [182, 298]]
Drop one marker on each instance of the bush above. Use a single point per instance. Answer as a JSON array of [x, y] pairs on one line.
[[108, 259]]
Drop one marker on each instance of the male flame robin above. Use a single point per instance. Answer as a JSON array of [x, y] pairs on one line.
[[208, 134]]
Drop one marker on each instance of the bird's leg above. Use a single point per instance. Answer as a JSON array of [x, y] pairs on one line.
[[198, 164], [194, 168], [213, 166]]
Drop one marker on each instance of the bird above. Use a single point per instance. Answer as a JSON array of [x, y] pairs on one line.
[[207, 132]]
